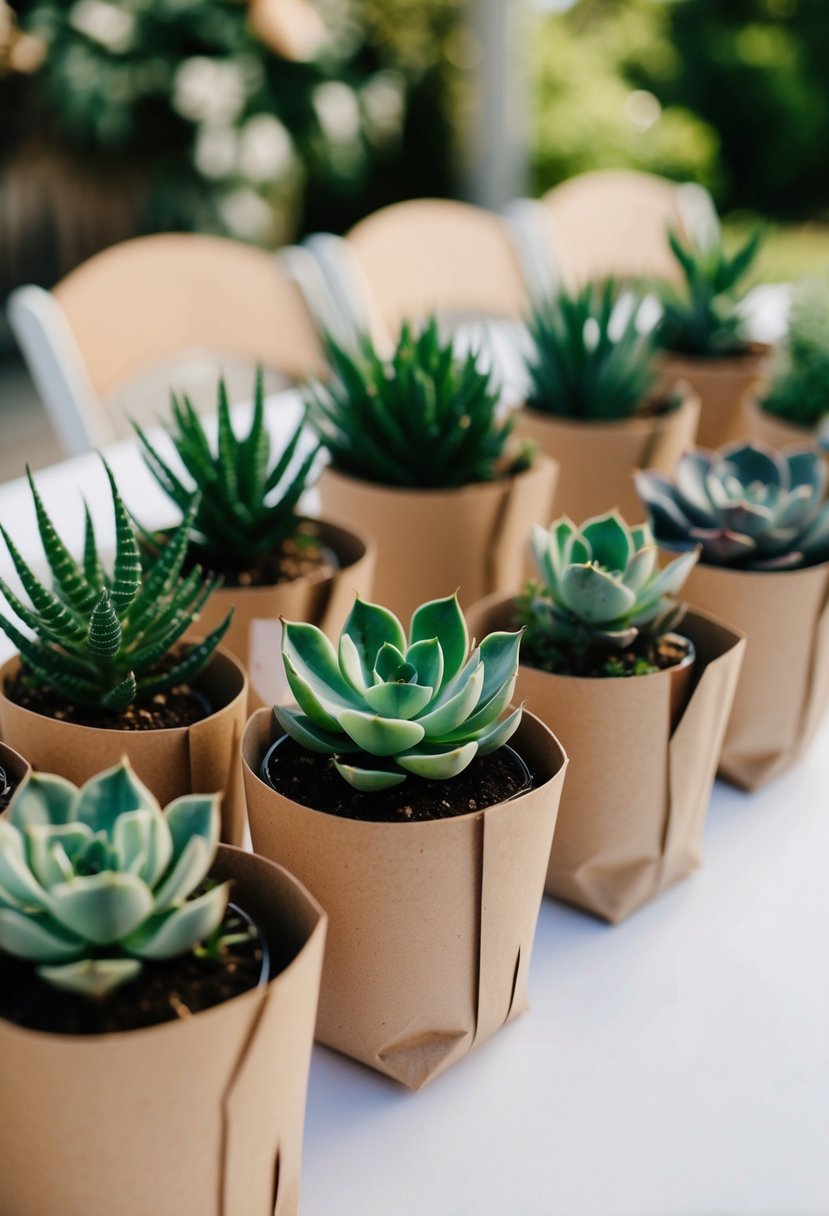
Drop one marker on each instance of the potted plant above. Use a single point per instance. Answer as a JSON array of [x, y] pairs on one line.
[[702, 332], [790, 408], [641, 708], [392, 794], [273, 561], [421, 460], [761, 521], [107, 673], [13, 770], [592, 402], [142, 1016]]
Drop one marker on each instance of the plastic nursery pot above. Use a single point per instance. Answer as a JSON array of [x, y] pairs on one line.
[[431, 541], [771, 430], [14, 769], [202, 758], [325, 599], [597, 459], [634, 805], [784, 685], [431, 923], [720, 385], [199, 1117]]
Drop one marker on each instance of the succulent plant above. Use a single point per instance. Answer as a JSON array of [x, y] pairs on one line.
[[94, 881], [703, 317], [601, 590], [799, 388], [427, 418], [246, 503], [746, 506], [590, 360], [101, 640], [422, 703]]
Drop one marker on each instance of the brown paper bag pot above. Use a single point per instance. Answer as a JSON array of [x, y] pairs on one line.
[[636, 796], [431, 924], [198, 1117], [15, 766], [202, 758], [720, 385], [775, 432], [429, 542], [784, 686], [254, 636], [597, 459]]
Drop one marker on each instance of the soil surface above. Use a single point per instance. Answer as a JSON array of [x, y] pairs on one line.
[[637, 660], [301, 556], [7, 788], [163, 992], [312, 780], [179, 707]]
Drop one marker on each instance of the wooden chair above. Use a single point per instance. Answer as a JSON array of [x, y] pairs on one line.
[[614, 222], [134, 309]]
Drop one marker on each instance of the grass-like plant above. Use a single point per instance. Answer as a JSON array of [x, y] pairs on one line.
[[590, 360], [799, 389], [246, 502], [702, 316], [104, 640], [425, 419]]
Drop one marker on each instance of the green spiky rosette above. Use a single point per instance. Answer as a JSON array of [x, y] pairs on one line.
[[422, 702]]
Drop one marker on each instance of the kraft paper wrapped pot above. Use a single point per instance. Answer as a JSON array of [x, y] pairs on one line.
[[13, 765], [431, 540], [720, 385], [431, 924], [634, 805], [772, 430], [198, 1117], [255, 635], [201, 758], [784, 686], [597, 459]]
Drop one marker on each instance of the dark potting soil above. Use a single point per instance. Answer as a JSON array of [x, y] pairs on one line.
[[163, 992], [7, 788], [312, 780], [179, 707], [643, 658], [300, 556]]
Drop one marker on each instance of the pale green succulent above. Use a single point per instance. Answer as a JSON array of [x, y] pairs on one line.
[[95, 880], [423, 703], [601, 587]]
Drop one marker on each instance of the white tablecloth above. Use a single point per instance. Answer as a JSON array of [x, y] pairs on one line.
[[676, 1065]]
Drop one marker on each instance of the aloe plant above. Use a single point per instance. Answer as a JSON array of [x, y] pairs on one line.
[[702, 316], [105, 640], [799, 386], [425, 419], [96, 880], [601, 591], [422, 702], [745, 506], [590, 360], [246, 502]]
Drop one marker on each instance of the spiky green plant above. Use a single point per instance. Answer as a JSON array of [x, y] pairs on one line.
[[799, 388], [246, 504], [422, 702], [746, 506], [590, 360], [601, 591], [702, 316], [94, 881], [105, 640], [426, 419]]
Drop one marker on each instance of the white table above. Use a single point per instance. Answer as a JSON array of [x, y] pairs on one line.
[[676, 1065]]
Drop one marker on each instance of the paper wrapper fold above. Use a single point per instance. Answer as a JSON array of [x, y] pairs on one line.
[[431, 924], [634, 804], [255, 634], [774, 432], [597, 459], [430, 542], [784, 686], [720, 385], [202, 758], [198, 1117]]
